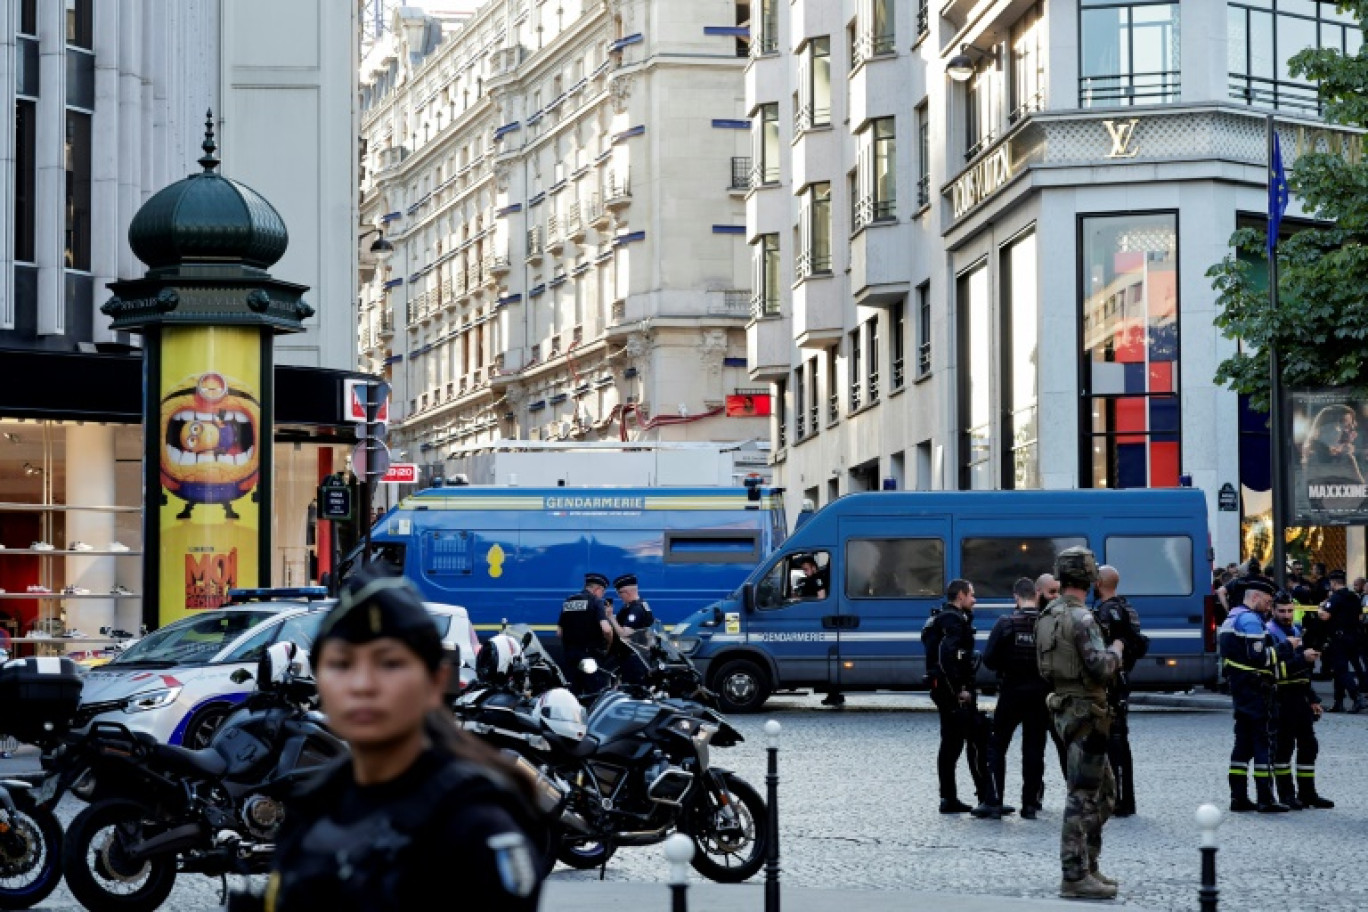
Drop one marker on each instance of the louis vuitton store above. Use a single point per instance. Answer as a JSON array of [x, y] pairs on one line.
[[1083, 319]]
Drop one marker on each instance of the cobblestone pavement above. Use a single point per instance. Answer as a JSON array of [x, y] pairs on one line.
[[858, 810]]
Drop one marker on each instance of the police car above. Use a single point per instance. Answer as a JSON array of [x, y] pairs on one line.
[[176, 682]]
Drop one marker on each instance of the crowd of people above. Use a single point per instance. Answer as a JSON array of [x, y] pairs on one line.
[[1061, 667]]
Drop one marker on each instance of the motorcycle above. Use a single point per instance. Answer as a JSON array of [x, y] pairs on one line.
[[156, 811], [40, 697], [629, 771]]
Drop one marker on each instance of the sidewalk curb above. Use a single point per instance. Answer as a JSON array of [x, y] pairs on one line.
[[1213, 701]]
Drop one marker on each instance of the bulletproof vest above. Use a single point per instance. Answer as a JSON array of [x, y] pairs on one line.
[[360, 864], [1021, 658], [579, 622], [1056, 652]]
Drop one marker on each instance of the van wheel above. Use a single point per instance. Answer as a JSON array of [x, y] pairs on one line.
[[741, 686]]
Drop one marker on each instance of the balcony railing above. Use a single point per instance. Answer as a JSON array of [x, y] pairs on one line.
[[873, 386], [764, 303], [923, 18], [833, 408], [869, 210], [1271, 93], [496, 264], [898, 378], [595, 213], [855, 399], [807, 117], [813, 412], [813, 262], [732, 303], [763, 173], [574, 223], [617, 189], [741, 172], [474, 275], [534, 245], [870, 45], [1129, 89], [923, 359], [924, 191]]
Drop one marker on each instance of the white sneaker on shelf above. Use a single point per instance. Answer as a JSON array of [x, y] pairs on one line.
[[75, 590], [79, 546], [117, 546], [120, 590], [73, 632], [40, 546], [39, 590]]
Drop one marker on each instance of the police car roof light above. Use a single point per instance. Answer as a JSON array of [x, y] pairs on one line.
[[279, 592]]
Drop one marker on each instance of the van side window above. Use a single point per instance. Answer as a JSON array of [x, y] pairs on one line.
[[712, 546], [801, 577], [895, 568], [994, 564], [1152, 564]]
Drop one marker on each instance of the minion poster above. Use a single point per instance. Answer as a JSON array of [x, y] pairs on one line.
[[209, 453]]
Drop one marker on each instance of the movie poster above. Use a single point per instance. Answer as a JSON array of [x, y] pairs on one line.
[[1326, 464], [210, 465]]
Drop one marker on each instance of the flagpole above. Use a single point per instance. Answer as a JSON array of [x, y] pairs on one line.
[[1275, 421]]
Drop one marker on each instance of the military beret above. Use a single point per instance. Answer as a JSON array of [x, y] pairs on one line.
[[596, 579], [627, 579], [1260, 586], [375, 605]]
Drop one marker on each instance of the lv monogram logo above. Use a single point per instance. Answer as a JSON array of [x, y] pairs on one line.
[[1122, 133]]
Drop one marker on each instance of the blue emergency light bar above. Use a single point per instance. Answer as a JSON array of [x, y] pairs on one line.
[[278, 592]]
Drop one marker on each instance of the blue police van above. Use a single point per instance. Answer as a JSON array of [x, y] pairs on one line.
[[882, 561], [514, 554]]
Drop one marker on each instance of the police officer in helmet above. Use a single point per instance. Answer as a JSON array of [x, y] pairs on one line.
[[585, 632], [1079, 667], [419, 804], [1011, 652]]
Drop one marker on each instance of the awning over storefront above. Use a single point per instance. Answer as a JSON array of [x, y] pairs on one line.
[[62, 386]]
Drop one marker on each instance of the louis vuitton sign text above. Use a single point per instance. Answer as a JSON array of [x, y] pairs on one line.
[[982, 180]]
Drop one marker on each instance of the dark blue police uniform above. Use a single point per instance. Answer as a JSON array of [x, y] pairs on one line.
[[580, 621], [1249, 659]]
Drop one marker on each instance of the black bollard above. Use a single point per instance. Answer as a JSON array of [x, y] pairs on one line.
[[772, 795], [1208, 818], [679, 850]]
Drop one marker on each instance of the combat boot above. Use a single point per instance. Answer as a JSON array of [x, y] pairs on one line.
[[1096, 874], [1359, 704], [1267, 804], [1306, 780], [1239, 794], [1086, 887], [1287, 791], [1337, 707]]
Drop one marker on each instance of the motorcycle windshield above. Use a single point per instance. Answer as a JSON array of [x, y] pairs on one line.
[[646, 639]]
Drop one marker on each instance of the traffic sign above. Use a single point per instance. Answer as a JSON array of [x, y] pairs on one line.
[[334, 502], [381, 431], [401, 473], [355, 393], [361, 460]]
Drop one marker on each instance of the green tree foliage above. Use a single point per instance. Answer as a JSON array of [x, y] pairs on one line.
[[1321, 322]]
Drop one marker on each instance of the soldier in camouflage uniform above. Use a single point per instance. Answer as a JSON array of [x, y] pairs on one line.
[[1080, 666]]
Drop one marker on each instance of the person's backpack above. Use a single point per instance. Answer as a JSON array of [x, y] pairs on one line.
[[1137, 644]]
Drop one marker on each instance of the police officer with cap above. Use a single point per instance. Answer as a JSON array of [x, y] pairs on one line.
[[1249, 659], [634, 615], [1079, 666], [418, 804], [585, 632]]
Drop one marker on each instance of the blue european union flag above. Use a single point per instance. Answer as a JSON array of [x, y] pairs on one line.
[[1277, 195]]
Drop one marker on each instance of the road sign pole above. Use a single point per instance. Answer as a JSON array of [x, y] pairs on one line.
[[372, 461]]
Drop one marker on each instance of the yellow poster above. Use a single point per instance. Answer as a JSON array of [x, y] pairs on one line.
[[210, 449]]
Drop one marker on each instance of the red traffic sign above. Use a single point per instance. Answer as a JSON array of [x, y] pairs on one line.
[[401, 473], [357, 391]]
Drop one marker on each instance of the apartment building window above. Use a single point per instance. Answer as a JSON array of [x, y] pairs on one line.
[[28, 17], [923, 156], [833, 387], [873, 30], [876, 174], [800, 428], [767, 39], [814, 85], [766, 139], [1028, 65], [982, 108], [814, 231], [897, 342], [1021, 349], [1129, 278], [923, 330], [975, 401], [79, 24], [1264, 35], [923, 19], [814, 404], [25, 172], [765, 276], [781, 413], [871, 340], [854, 377], [1129, 53], [77, 155]]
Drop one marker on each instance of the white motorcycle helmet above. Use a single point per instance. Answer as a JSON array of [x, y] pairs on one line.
[[561, 713], [496, 658]]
